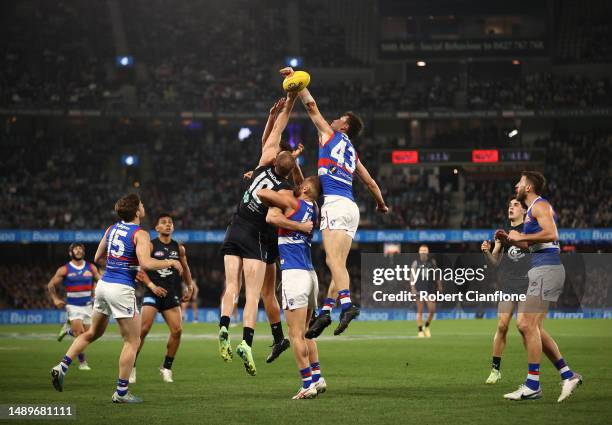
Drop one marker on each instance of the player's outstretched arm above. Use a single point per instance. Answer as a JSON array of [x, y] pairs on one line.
[[544, 214], [55, 281], [186, 274], [323, 127], [296, 173], [272, 145], [366, 178], [278, 105], [276, 218], [143, 252]]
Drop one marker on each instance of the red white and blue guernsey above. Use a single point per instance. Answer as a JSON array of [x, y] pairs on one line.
[[545, 253], [294, 247], [121, 260], [337, 163], [78, 284]]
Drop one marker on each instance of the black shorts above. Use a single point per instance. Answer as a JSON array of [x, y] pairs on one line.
[[245, 240], [171, 300]]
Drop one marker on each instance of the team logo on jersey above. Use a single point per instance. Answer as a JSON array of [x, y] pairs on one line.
[[515, 253], [158, 254], [87, 273]]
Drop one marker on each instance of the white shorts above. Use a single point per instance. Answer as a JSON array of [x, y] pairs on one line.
[[79, 312], [300, 288], [546, 282], [340, 213], [115, 299]]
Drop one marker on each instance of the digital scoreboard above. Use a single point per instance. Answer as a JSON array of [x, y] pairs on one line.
[[466, 156]]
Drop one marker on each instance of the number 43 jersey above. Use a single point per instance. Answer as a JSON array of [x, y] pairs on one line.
[[251, 208], [337, 163], [121, 259]]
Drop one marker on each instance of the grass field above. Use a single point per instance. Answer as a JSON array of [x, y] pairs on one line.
[[377, 373]]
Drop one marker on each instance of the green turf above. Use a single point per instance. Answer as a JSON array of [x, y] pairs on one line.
[[377, 373]]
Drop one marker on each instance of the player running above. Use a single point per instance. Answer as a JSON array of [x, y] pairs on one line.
[[299, 280], [338, 162], [124, 247], [546, 278], [164, 293], [423, 286], [251, 245], [512, 265], [78, 277]]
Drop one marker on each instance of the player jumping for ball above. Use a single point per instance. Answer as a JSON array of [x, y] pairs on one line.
[[546, 279], [338, 163], [251, 245], [299, 279], [79, 277]]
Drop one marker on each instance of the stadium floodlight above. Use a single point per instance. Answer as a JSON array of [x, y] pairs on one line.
[[513, 133], [125, 61], [421, 63], [244, 133], [129, 160], [293, 61]]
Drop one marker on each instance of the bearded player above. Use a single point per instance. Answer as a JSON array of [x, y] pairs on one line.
[[78, 277], [546, 278], [338, 163]]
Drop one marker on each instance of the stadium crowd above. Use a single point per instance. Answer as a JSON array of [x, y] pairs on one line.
[[60, 62]]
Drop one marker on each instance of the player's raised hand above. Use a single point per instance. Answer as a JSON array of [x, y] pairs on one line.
[[298, 151], [287, 72], [278, 105], [176, 264], [486, 246], [306, 227], [59, 304], [384, 209]]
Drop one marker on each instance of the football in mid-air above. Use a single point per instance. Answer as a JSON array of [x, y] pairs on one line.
[[297, 81]]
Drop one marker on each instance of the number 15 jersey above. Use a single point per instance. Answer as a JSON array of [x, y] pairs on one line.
[[337, 163], [121, 259]]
